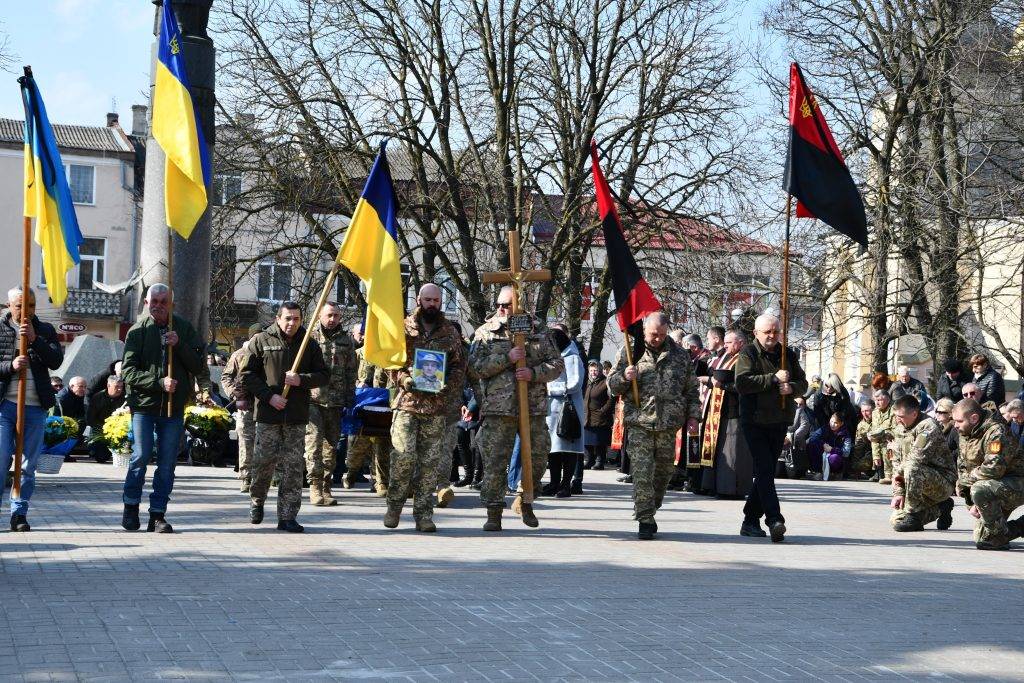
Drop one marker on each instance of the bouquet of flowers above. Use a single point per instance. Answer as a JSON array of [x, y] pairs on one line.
[[206, 422], [59, 429], [117, 431]]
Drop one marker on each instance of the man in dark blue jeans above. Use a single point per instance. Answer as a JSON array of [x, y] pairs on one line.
[[766, 409], [44, 354], [149, 387]]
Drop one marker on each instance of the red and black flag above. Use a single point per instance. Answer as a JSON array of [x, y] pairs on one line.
[[816, 173], [633, 296]]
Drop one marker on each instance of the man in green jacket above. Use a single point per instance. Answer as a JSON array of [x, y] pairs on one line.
[[767, 407], [281, 422], [148, 347]]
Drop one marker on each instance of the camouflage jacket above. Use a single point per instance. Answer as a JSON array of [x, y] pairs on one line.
[[989, 452], [883, 426], [862, 447], [368, 374], [444, 337], [339, 351], [924, 444], [489, 363], [668, 390], [229, 379]]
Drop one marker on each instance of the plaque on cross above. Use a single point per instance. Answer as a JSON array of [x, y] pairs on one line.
[[520, 324]]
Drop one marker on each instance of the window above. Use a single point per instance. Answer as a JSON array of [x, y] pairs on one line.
[[344, 295], [82, 181], [449, 294], [91, 269], [274, 279], [226, 188], [222, 267]]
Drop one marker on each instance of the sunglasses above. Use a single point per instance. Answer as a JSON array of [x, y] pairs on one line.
[[501, 305]]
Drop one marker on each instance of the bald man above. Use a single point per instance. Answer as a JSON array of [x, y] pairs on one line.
[[421, 414]]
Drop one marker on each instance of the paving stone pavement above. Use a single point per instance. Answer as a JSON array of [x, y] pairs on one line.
[[843, 599]]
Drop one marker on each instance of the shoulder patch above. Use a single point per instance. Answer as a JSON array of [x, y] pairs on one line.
[[921, 441], [995, 446]]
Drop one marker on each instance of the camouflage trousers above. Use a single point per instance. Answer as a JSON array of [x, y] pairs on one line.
[[417, 442], [887, 464], [496, 439], [652, 461], [860, 460], [378, 449], [245, 428], [444, 465], [278, 444], [322, 434], [996, 500], [925, 487]]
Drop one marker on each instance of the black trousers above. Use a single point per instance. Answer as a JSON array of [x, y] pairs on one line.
[[765, 444]]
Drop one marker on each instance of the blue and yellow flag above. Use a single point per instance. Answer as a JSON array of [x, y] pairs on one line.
[[370, 251], [47, 196], [178, 131]]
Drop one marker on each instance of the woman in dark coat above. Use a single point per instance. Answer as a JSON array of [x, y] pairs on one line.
[[599, 411]]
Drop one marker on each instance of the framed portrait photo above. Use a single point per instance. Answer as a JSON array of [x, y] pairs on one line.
[[428, 370]]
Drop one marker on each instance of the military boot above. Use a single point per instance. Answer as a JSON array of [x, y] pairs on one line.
[[445, 496], [426, 525], [329, 500], [647, 531], [316, 496], [493, 519], [908, 522], [945, 515], [1016, 528], [392, 515], [877, 476], [529, 519], [130, 518], [244, 487], [256, 513]]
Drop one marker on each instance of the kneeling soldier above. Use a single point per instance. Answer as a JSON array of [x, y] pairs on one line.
[[923, 470]]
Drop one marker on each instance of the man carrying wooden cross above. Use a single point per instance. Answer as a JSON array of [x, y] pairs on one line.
[[493, 360]]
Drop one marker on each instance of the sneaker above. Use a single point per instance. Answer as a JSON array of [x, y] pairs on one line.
[[945, 515]]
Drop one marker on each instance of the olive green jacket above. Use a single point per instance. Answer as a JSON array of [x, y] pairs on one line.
[[144, 365]]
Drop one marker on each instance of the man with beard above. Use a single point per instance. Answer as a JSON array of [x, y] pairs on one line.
[[767, 408], [492, 362], [668, 402], [327, 403], [724, 458], [923, 470], [421, 417], [991, 477]]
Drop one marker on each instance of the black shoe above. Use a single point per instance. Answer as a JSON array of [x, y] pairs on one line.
[[291, 526], [464, 482], [562, 493], [777, 531], [577, 488], [599, 465], [256, 512], [628, 479], [19, 523], [945, 515], [752, 529], [130, 518], [647, 531], [548, 489], [909, 522], [157, 524]]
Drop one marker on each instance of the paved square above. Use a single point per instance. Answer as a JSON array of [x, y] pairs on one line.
[[844, 598]]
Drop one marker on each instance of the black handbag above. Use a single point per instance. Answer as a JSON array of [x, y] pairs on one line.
[[569, 426]]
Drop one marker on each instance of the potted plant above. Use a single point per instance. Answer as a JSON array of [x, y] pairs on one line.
[[117, 436]]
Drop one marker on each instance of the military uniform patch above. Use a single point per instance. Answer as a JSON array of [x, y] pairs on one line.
[[921, 442], [995, 446]]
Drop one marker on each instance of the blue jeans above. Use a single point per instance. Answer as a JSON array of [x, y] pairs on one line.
[[515, 467], [167, 431], [35, 423]]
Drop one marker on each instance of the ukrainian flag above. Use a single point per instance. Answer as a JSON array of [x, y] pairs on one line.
[[47, 197], [177, 130], [370, 251]]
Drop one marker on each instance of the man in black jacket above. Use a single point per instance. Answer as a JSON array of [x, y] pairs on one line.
[[951, 384], [44, 354]]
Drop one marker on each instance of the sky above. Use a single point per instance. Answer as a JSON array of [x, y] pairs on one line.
[[85, 54]]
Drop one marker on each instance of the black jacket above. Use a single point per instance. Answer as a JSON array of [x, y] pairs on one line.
[[914, 387], [44, 354], [991, 387], [269, 355], [950, 388], [760, 401], [71, 405]]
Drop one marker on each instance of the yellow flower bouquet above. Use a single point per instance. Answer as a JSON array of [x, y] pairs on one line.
[[205, 422], [117, 431]]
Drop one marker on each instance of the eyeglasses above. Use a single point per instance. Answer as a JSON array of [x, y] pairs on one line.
[[504, 305], [942, 412]]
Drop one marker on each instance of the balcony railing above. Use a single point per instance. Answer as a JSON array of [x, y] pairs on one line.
[[93, 303]]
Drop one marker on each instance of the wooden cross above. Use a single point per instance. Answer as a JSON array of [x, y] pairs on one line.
[[516, 277]]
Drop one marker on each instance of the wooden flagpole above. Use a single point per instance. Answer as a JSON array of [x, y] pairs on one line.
[[629, 361], [321, 302], [26, 261], [784, 299], [170, 316]]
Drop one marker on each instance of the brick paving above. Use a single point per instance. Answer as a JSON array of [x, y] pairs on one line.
[[844, 599]]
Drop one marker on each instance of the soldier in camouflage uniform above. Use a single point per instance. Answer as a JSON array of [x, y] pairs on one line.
[[280, 422], [328, 402], [883, 424], [420, 417], [860, 457], [362, 446], [668, 401], [245, 425], [923, 470], [991, 477], [492, 361]]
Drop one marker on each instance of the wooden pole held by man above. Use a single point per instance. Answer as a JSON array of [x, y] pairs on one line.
[[23, 375], [321, 302]]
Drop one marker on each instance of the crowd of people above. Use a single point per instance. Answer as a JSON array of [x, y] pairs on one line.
[[719, 416]]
